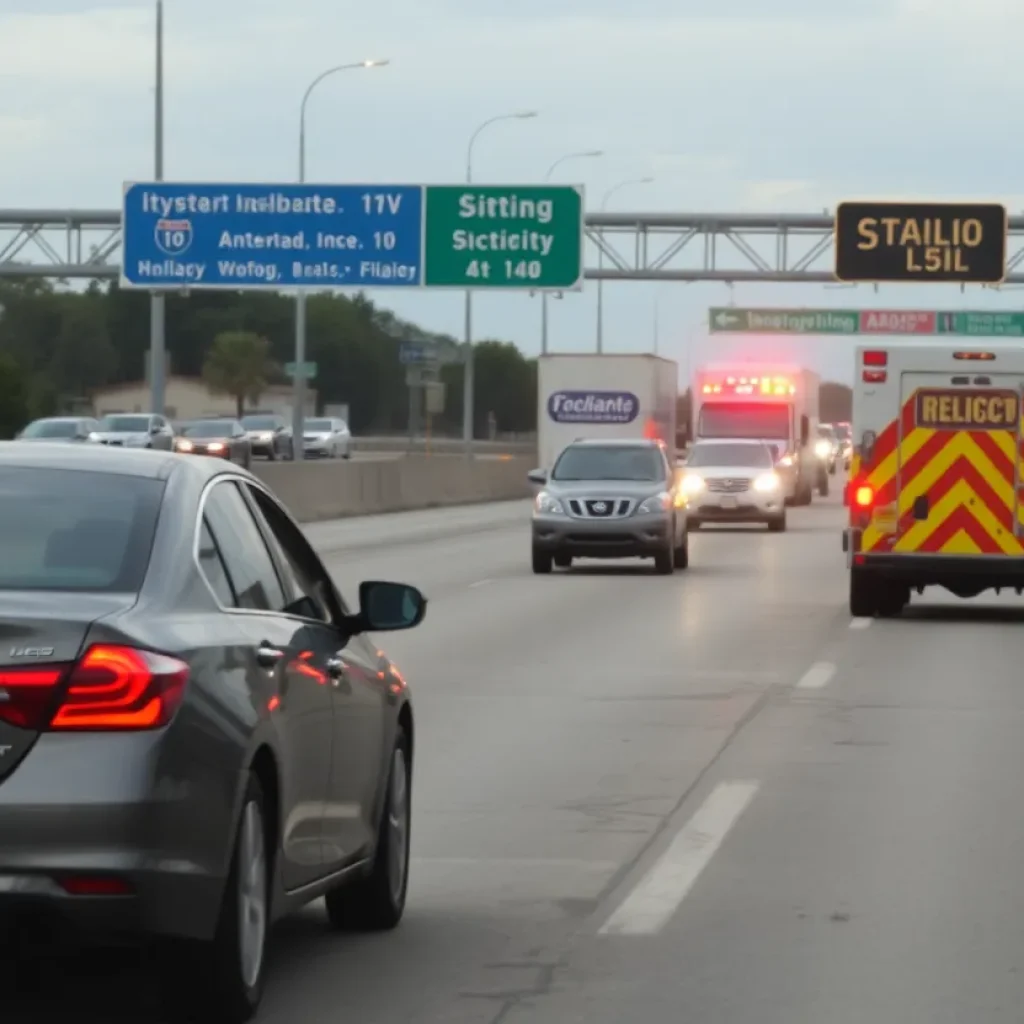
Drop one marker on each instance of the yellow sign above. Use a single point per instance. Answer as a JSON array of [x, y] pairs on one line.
[[948, 409], [937, 242]]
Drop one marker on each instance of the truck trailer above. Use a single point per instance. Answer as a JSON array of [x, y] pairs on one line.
[[604, 396]]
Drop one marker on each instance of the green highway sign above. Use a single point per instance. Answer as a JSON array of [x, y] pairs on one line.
[[308, 370], [916, 322], [503, 237], [982, 325], [783, 321]]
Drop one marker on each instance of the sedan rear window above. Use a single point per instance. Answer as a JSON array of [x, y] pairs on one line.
[[75, 530], [125, 424]]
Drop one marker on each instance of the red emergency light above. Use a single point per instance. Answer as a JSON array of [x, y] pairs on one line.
[[760, 386]]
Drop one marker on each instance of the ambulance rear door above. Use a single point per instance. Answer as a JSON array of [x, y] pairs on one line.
[[958, 480]]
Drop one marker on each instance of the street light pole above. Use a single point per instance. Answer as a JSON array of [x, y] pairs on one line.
[[582, 155], [299, 384], [600, 258], [468, 383], [157, 303]]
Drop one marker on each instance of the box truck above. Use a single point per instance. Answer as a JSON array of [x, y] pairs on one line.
[[598, 396]]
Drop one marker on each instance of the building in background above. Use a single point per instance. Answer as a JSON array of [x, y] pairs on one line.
[[188, 398]]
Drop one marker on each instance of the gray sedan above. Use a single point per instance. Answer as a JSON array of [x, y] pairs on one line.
[[196, 734]]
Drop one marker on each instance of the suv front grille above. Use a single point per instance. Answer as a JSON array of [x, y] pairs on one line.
[[730, 486], [600, 508]]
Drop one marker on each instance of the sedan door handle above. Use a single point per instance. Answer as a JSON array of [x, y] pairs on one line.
[[268, 656]]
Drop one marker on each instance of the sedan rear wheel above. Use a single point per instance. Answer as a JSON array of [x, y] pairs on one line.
[[376, 902]]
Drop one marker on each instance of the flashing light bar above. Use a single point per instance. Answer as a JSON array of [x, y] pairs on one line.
[[762, 386]]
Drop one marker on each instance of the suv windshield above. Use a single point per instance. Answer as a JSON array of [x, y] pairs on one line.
[[754, 456], [259, 423], [51, 428], [210, 428], [618, 462], [125, 424], [71, 530]]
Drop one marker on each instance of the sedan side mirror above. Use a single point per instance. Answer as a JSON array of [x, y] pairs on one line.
[[537, 476], [389, 606]]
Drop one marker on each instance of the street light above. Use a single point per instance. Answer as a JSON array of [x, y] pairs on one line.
[[585, 154], [600, 257], [467, 374], [299, 386]]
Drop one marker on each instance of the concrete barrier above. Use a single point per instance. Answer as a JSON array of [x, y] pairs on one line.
[[442, 445], [316, 491]]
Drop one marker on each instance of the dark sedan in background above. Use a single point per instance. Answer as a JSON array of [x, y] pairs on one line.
[[60, 428], [196, 734], [222, 439], [269, 435]]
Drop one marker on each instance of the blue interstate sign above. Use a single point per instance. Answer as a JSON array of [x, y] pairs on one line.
[[593, 406], [271, 236]]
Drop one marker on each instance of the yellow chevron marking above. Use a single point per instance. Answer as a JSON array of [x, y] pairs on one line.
[[961, 494]]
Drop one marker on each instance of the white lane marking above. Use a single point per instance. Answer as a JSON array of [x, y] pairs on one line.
[[480, 583], [860, 623], [819, 675], [657, 896]]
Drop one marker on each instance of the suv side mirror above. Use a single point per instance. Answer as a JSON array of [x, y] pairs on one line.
[[155, 428], [537, 476], [389, 606]]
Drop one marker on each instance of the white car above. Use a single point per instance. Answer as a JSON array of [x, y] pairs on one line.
[[733, 482], [326, 438], [134, 430]]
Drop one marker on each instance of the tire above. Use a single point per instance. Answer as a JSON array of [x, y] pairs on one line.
[[664, 563], [805, 496], [348, 453], [863, 594], [681, 555], [377, 901], [778, 524], [247, 460], [832, 469], [892, 599], [541, 561], [823, 486], [563, 561], [224, 983], [272, 454]]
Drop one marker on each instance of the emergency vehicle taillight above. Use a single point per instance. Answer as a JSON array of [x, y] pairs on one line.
[[876, 357], [874, 376], [864, 496]]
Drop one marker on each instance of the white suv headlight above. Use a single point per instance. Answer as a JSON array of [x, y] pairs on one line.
[[545, 504], [767, 482], [655, 503], [692, 484]]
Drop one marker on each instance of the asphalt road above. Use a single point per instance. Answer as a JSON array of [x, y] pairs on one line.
[[709, 797]]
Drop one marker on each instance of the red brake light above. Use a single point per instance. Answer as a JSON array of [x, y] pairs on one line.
[[864, 496], [94, 885], [874, 376], [26, 695], [121, 688], [110, 688], [876, 357]]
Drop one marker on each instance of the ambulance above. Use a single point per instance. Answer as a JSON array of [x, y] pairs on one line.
[[774, 404], [935, 491]]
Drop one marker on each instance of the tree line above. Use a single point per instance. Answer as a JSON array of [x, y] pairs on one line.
[[57, 347]]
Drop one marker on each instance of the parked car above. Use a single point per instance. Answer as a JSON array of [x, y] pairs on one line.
[[59, 428], [269, 435], [135, 430], [222, 439]]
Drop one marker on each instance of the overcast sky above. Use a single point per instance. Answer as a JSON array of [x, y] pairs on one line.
[[731, 105]]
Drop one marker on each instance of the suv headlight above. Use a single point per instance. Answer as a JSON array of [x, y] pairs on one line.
[[655, 503], [545, 504], [786, 461], [767, 482], [692, 484]]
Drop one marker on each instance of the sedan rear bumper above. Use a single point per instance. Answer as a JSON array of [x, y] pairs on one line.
[[91, 834]]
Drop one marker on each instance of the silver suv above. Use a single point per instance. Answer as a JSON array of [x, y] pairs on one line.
[[610, 499]]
